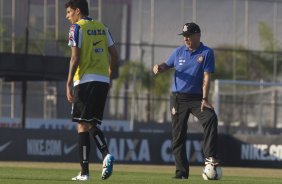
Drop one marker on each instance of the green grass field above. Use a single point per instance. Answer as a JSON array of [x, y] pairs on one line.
[[53, 173]]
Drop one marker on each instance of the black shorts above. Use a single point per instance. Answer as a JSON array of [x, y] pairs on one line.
[[89, 102]]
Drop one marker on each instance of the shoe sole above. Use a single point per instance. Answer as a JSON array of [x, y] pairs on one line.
[[106, 171]]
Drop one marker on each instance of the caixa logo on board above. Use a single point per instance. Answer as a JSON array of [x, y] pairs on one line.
[[193, 151], [128, 149], [148, 150], [48, 147]]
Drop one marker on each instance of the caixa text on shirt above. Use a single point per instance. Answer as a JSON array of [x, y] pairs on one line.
[[96, 32]]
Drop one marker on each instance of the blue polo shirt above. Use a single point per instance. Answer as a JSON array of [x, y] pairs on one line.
[[190, 67]]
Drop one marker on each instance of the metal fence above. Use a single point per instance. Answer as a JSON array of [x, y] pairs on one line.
[[242, 106], [246, 36], [245, 105]]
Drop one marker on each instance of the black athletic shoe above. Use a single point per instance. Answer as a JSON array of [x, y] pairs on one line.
[[180, 176]]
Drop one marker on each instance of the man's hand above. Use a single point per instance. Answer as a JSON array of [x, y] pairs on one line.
[[69, 92], [159, 68], [206, 104], [156, 69]]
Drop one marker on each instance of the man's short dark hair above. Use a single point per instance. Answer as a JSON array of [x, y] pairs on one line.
[[80, 4]]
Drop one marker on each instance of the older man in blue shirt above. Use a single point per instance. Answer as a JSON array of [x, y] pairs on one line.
[[193, 64]]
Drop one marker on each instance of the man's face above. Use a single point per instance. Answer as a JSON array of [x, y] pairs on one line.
[[72, 15], [192, 41]]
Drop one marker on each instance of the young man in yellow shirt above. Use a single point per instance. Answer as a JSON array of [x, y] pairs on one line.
[[93, 58]]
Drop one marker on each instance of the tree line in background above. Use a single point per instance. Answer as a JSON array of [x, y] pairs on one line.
[[238, 63]]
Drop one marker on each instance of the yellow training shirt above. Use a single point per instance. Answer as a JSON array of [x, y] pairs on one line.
[[93, 39]]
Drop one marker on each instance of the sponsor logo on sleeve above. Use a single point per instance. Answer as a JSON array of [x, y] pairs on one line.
[[71, 32]]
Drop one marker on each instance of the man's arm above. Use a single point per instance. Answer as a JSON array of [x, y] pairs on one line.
[[206, 90], [206, 85], [113, 60], [74, 61]]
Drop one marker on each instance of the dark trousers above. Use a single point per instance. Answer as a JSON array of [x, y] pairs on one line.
[[181, 107]]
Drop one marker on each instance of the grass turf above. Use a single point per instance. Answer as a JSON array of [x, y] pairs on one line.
[[53, 173]]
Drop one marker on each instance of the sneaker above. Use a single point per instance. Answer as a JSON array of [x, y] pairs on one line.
[[180, 175], [80, 177], [107, 166], [211, 160]]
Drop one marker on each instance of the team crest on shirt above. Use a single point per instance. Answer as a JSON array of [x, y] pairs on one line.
[[200, 59], [173, 111]]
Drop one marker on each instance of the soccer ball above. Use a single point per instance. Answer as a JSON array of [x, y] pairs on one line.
[[212, 172]]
